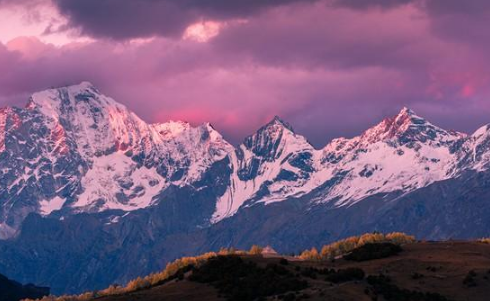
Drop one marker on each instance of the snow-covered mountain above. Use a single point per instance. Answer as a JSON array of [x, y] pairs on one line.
[[75, 150], [87, 185], [402, 153]]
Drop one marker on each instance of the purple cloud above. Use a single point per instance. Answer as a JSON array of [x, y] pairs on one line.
[[370, 4], [329, 70], [318, 36], [143, 18]]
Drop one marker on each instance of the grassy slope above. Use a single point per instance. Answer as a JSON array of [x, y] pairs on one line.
[[443, 266]]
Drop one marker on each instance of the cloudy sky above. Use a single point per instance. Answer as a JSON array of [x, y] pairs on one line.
[[329, 67]]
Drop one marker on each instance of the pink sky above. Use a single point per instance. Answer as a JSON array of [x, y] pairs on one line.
[[330, 68]]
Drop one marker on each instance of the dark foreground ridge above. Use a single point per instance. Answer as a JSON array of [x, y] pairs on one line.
[[11, 290], [426, 271]]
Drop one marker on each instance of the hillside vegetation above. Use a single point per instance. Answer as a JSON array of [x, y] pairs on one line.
[[367, 267], [180, 266]]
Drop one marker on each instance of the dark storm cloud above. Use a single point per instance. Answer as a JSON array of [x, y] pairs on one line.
[[433, 7], [468, 7], [462, 21], [368, 4], [125, 19], [142, 18]]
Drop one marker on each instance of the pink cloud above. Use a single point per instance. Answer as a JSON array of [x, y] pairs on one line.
[[329, 71], [29, 47]]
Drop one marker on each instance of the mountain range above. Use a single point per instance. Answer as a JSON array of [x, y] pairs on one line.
[[90, 194]]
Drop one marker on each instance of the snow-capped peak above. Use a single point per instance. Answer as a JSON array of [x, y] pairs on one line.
[[83, 151], [272, 139], [476, 149], [482, 131], [278, 122], [94, 122], [273, 153], [390, 127], [171, 128], [403, 152], [53, 98], [407, 127], [407, 112], [215, 136], [81, 87]]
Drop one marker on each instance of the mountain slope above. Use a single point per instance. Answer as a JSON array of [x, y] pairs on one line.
[[269, 166], [75, 150], [402, 153]]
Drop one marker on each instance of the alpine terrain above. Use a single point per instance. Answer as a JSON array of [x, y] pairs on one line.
[[86, 185]]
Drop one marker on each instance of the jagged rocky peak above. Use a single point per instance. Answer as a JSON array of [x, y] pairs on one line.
[[403, 130], [271, 139], [475, 149], [76, 150], [66, 102], [184, 132], [74, 102], [99, 125], [277, 122], [210, 133], [407, 127], [95, 122], [52, 100], [481, 132], [171, 128], [274, 154], [274, 128]]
